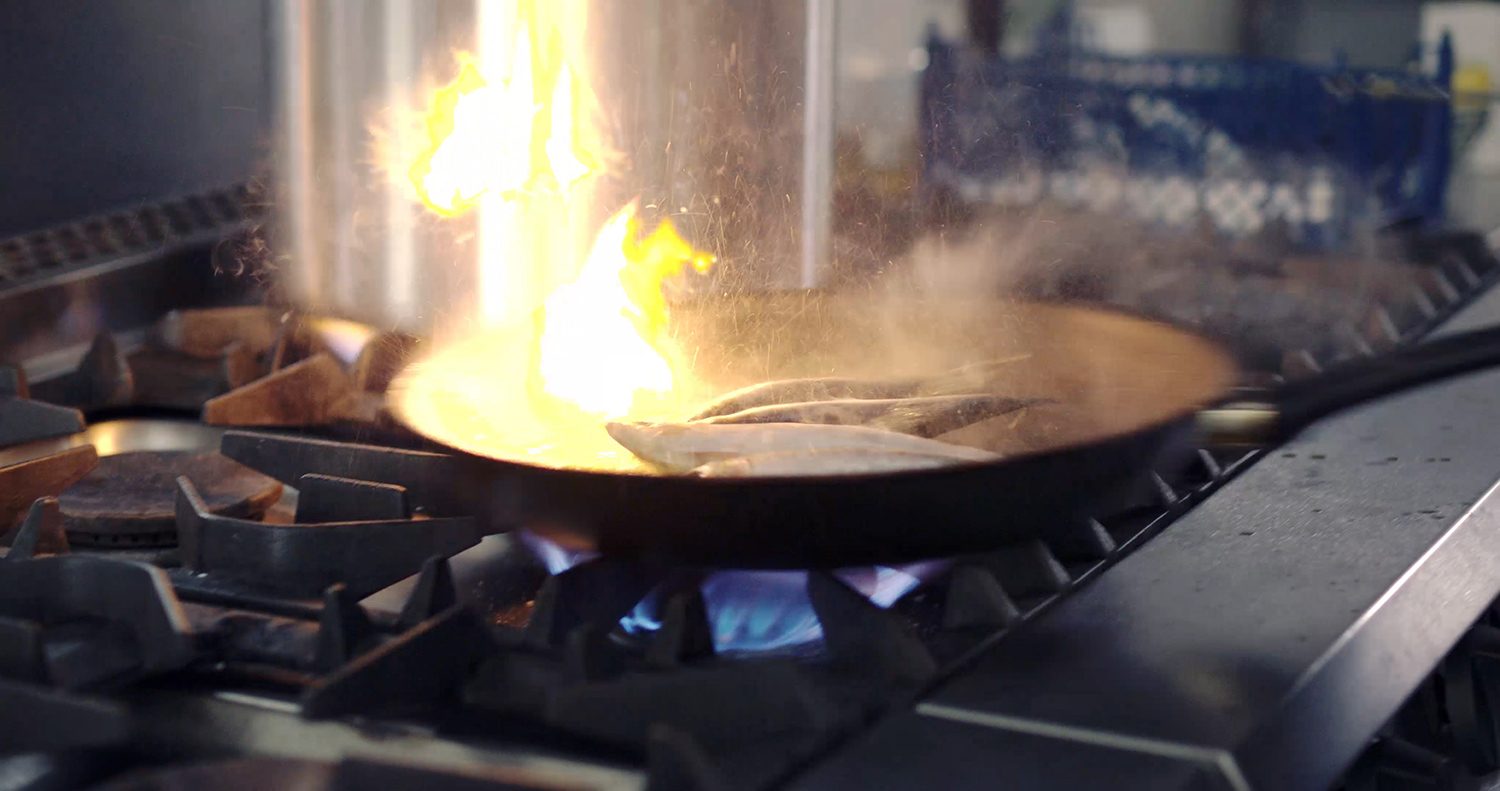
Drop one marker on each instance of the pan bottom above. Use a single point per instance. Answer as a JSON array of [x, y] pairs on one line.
[[824, 523]]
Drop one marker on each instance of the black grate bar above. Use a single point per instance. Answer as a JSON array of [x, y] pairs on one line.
[[124, 232]]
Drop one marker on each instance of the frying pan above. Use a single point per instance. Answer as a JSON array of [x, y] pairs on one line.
[[1128, 392]]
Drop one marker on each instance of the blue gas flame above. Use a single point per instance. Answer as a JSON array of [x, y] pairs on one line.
[[757, 611], [754, 611], [555, 558]]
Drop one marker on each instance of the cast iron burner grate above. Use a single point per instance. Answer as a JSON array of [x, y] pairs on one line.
[[278, 606]]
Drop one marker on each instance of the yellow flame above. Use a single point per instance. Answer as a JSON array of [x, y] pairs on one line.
[[600, 347], [566, 165], [652, 260], [515, 146], [481, 134]]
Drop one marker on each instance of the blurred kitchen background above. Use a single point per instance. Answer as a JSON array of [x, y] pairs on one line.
[[878, 95], [130, 103]]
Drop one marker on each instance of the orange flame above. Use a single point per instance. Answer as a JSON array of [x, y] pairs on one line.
[[483, 137], [601, 343], [600, 347]]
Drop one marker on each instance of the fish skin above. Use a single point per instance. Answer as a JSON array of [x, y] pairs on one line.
[[800, 391], [853, 461], [959, 381], [683, 446], [926, 416], [840, 412], [934, 416]]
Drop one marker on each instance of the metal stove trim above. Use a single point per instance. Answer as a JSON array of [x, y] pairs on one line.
[[1427, 604], [1373, 614], [1223, 759], [1475, 534], [1412, 585]]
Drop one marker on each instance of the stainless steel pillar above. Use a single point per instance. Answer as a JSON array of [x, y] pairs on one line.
[[818, 138], [716, 113]]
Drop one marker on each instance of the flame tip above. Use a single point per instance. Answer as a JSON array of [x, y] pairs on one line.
[[603, 347], [482, 138]]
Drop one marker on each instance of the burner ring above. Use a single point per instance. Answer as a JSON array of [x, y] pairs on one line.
[[129, 500]]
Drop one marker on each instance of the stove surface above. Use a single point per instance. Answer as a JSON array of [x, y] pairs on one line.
[[1264, 636], [313, 604]]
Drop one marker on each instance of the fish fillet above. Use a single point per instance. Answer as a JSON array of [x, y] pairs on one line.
[[800, 391], [922, 417], [967, 379], [681, 447]]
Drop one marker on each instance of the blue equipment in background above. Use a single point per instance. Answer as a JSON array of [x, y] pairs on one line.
[[1248, 146]]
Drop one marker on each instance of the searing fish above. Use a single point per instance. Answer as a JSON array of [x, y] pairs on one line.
[[1043, 426], [923, 417], [929, 417], [847, 461], [683, 446], [967, 379], [801, 391], [971, 378], [841, 412]]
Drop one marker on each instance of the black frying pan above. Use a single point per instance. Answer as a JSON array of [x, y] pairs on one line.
[[1129, 392]]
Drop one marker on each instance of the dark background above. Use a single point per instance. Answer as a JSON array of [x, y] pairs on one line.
[[110, 104]]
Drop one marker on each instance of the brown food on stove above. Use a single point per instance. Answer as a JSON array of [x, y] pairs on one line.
[[684, 446], [847, 461]]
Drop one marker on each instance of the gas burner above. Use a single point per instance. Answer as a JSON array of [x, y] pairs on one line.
[[752, 613], [129, 499]]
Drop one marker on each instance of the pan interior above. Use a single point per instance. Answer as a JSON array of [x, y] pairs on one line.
[[1108, 374]]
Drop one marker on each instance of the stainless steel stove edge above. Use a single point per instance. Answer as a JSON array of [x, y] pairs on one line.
[[1259, 642]]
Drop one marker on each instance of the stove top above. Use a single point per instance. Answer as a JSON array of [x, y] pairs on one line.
[[226, 568]]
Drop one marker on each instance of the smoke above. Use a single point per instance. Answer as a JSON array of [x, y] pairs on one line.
[[1260, 293], [250, 253]]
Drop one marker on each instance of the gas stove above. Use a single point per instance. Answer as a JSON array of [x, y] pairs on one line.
[[227, 568]]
